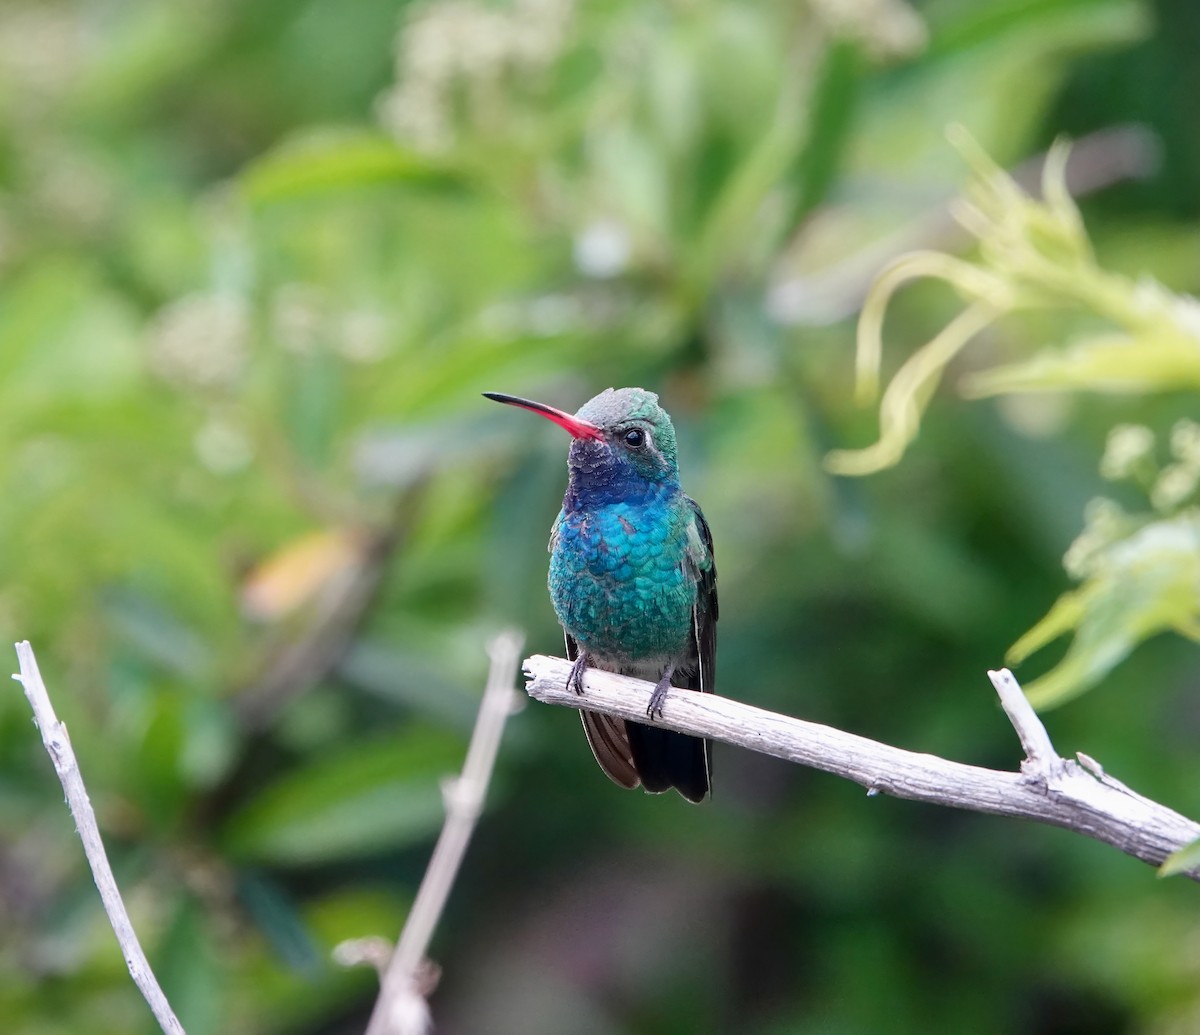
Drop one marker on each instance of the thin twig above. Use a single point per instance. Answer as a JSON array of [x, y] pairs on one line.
[[58, 745], [400, 1009], [1053, 790], [1040, 757]]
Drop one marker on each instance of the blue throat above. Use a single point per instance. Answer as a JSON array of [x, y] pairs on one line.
[[634, 491], [600, 478]]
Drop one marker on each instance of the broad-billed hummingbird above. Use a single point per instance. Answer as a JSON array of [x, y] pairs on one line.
[[633, 581]]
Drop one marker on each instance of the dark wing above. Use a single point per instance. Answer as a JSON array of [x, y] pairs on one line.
[[705, 613], [607, 738], [663, 758]]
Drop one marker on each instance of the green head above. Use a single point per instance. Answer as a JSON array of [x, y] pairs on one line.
[[623, 442], [621, 413]]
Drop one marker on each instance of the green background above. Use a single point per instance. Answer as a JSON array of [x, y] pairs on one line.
[[257, 261]]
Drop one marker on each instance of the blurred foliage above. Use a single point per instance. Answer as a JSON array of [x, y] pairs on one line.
[[256, 263], [1140, 573], [1181, 860]]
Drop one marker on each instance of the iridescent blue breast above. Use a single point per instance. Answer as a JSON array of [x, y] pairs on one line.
[[619, 578]]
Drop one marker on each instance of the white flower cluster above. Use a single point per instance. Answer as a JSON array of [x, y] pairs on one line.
[[1128, 447], [223, 446], [1177, 482], [467, 48], [70, 185], [200, 340], [886, 28], [602, 249], [303, 320], [42, 49], [1185, 442], [1129, 453], [1105, 523], [1109, 532], [297, 313], [1186, 312]]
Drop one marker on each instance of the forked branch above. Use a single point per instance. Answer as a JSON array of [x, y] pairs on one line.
[[406, 976], [1075, 794]]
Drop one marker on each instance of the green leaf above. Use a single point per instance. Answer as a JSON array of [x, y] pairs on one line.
[[366, 798], [277, 916], [1065, 615], [355, 912], [1077, 23], [730, 219], [1156, 359], [1137, 586], [63, 339], [337, 160], [835, 102], [1182, 860], [193, 970], [273, 994]]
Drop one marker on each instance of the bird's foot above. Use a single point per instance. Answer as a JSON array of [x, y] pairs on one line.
[[659, 696], [575, 679]]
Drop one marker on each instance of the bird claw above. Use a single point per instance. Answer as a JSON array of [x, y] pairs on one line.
[[575, 679], [659, 697]]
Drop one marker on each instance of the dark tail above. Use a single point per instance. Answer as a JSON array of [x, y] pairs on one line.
[[666, 759]]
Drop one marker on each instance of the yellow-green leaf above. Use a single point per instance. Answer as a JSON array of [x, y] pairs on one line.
[[334, 160], [1153, 360], [1181, 860], [1065, 615], [1140, 585]]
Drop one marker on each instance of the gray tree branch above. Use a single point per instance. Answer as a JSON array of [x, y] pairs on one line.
[[405, 976], [1075, 794], [58, 745]]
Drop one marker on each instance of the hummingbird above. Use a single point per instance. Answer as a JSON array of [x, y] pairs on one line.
[[633, 581]]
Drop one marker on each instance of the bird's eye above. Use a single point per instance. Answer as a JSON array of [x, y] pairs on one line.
[[635, 437]]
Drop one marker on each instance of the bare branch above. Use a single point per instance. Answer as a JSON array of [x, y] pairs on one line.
[[401, 1009], [1040, 757], [1077, 796], [58, 744]]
